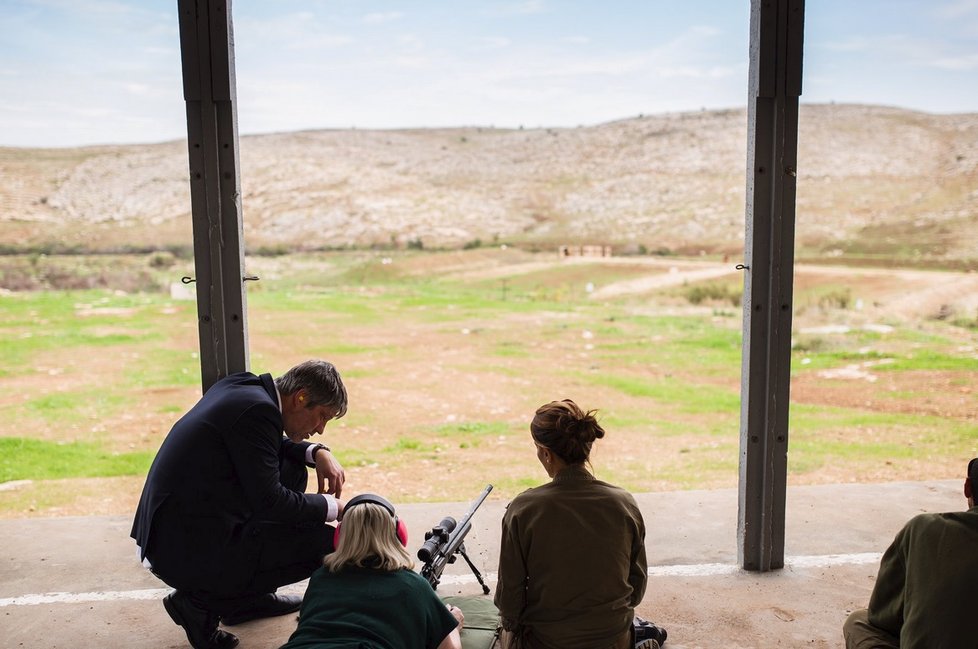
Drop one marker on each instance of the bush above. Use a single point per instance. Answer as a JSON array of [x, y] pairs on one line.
[[162, 260], [838, 299], [713, 293], [274, 250]]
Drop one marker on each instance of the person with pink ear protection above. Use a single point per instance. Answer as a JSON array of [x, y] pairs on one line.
[[367, 593]]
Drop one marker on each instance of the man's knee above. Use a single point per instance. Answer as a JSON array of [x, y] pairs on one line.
[[861, 634]]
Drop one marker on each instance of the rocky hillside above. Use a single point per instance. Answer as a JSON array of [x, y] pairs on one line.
[[873, 182]]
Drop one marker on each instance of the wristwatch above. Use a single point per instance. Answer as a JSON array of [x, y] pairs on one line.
[[312, 450]]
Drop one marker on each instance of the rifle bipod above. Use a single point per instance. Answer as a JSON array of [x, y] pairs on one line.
[[475, 571]]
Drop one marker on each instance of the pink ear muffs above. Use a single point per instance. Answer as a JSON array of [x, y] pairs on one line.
[[399, 527]]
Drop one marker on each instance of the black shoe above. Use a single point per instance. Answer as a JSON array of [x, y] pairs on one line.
[[267, 605], [645, 630], [199, 623]]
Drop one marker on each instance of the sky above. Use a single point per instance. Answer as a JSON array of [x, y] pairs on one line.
[[80, 72]]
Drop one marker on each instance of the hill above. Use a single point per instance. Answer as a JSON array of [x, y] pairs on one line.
[[874, 183]]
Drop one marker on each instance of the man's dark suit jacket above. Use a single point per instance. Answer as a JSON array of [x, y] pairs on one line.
[[215, 483]]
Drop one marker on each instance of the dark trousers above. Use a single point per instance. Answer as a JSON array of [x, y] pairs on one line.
[[282, 553]]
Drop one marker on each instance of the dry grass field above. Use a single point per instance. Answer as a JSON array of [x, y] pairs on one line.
[[446, 355], [423, 263]]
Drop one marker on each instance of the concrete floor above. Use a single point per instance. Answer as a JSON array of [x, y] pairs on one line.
[[75, 582]]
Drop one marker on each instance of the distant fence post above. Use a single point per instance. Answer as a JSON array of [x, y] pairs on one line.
[[207, 48], [776, 36]]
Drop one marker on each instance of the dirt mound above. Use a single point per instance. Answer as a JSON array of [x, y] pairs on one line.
[[873, 181]]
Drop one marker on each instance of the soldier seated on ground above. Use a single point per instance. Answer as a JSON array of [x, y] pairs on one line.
[[572, 564], [926, 592]]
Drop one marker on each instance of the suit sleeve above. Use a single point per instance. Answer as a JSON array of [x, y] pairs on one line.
[[254, 442], [886, 602], [510, 596], [295, 451]]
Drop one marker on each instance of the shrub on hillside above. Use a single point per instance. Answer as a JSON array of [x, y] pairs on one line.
[[713, 292]]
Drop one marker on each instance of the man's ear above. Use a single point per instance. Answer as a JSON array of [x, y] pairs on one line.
[[969, 490]]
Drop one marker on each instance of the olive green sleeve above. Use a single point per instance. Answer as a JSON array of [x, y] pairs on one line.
[[510, 596], [887, 600], [638, 570]]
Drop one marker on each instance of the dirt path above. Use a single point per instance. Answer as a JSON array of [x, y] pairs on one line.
[[674, 276]]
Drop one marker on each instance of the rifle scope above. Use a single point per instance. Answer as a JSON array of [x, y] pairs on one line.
[[436, 537]]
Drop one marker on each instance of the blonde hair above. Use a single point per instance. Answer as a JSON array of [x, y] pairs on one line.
[[368, 539]]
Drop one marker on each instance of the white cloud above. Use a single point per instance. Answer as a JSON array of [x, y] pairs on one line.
[[960, 63], [410, 41], [382, 17], [958, 8], [411, 62], [692, 72], [848, 45], [520, 8], [495, 42]]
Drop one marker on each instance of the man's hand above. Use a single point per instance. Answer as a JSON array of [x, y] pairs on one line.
[[329, 472]]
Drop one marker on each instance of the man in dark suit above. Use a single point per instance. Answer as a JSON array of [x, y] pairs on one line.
[[224, 518]]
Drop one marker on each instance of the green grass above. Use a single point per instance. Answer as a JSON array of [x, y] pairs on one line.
[[512, 349], [686, 397], [409, 444], [820, 434], [652, 376], [927, 359], [22, 459], [470, 434], [57, 407], [161, 367], [87, 322]]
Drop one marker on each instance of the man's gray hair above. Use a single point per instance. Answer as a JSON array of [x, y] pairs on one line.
[[320, 380]]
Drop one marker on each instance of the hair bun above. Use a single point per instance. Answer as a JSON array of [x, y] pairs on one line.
[[566, 429]]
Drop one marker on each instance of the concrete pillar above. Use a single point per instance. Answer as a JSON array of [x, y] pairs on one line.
[[776, 35], [207, 47]]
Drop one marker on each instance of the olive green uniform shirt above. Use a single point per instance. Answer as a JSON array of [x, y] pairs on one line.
[[926, 592], [572, 563]]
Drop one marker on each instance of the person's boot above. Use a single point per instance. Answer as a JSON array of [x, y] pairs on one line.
[[645, 630], [199, 623], [267, 605]]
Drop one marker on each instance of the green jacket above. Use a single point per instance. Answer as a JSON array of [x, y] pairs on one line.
[[926, 592], [572, 563], [361, 607]]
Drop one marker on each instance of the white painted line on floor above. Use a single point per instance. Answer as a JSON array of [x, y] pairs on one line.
[[801, 562], [688, 570], [829, 560], [79, 598]]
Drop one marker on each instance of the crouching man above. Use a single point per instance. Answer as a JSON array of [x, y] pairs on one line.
[[224, 518]]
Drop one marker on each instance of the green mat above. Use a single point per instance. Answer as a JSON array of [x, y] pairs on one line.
[[481, 620]]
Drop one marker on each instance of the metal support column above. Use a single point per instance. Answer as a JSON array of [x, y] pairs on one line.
[[776, 34], [207, 46]]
